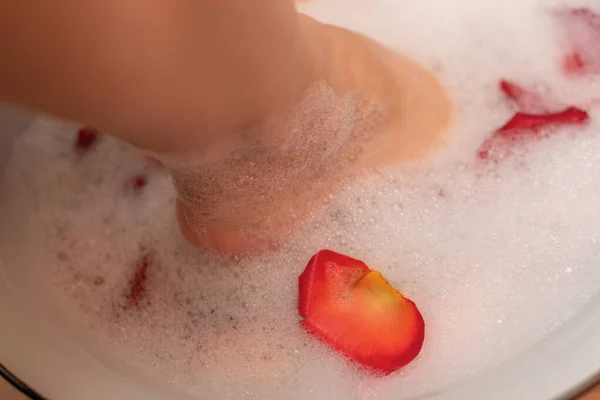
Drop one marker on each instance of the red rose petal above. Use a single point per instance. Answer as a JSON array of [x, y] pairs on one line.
[[523, 126], [86, 137], [138, 182], [534, 122], [355, 311], [137, 285], [312, 282]]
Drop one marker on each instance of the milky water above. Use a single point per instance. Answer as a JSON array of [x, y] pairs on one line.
[[496, 257]]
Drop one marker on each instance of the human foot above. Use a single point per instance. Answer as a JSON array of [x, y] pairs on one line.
[[372, 108], [417, 108]]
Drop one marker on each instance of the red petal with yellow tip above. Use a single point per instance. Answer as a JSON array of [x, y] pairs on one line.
[[357, 312]]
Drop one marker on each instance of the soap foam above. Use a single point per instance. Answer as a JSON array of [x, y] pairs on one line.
[[496, 257], [310, 144]]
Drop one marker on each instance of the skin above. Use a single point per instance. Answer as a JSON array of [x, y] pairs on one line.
[[163, 75], [181, 78]]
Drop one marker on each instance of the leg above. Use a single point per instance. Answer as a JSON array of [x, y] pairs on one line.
[[166, 75]]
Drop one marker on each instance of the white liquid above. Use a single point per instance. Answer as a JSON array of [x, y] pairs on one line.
[[494, 265]]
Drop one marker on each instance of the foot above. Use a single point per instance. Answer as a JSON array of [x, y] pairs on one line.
[[417, 108], [371, 108]]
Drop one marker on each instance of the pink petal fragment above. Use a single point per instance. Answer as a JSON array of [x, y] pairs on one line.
[[526, 100], [581, 30]]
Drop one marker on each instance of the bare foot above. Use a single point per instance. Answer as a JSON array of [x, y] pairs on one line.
[[372, 108], [417, 109]]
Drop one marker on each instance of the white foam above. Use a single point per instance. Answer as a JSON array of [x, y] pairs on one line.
[[504, 257]]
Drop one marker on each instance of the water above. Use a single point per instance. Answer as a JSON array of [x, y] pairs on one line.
[[496, 257]]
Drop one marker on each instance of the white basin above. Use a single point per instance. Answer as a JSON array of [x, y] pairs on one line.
[[49, 362]]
